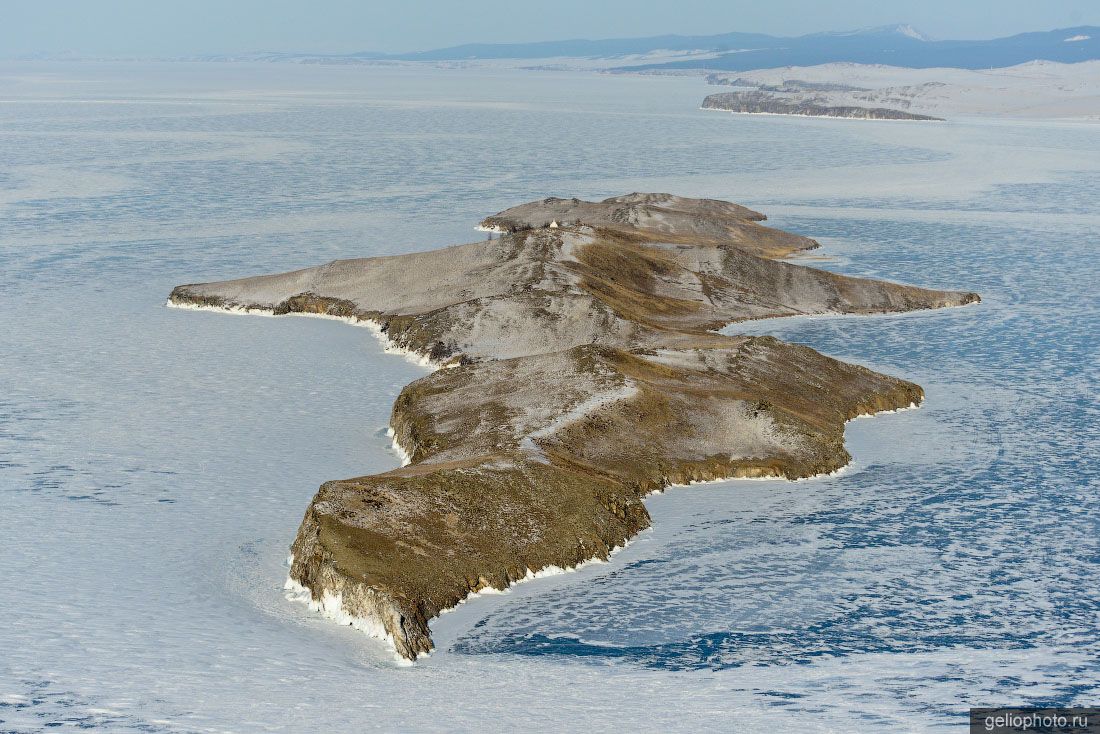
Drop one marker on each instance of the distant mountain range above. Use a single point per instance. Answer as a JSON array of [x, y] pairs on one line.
[[900, 45]]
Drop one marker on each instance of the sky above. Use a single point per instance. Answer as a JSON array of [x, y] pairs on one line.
[[183, 27]]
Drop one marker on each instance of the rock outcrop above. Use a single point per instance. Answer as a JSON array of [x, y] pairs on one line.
[[584, 373], [782, 102]]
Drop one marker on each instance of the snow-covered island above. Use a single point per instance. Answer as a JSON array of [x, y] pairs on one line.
[[579, 370]]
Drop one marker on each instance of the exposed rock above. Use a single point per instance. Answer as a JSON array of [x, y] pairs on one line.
[[585, 374], [777, 102]]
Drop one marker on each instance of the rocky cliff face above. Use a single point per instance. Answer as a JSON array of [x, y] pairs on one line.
[[584, 373]]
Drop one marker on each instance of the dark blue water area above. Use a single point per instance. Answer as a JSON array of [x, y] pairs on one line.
[[970, 525], [44, 707]]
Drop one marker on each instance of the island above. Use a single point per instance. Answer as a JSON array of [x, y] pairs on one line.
[[796, 101], [579, 369]]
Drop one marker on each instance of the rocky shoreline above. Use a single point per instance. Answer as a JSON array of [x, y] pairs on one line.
[[582, 371]]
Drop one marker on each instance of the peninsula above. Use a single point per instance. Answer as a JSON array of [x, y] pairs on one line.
[[1036, 90], [580, 370], [783, 101]]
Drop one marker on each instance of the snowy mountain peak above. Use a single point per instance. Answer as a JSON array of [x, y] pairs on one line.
[[907, 30], [901, 29]]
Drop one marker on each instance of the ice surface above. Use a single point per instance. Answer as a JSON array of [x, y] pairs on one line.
[[154, 463]]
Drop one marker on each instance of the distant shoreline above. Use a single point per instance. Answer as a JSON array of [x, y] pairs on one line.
[[828, 117], [1034, 91]]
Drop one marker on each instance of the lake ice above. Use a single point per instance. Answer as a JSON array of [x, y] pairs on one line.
[[155, 463]]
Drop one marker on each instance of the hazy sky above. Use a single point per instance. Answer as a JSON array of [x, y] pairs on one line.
[[174, 27]]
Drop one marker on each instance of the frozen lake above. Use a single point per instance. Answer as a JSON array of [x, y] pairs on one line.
[[155, 463]]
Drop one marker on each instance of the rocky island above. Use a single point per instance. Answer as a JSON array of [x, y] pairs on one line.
[[785, 101], [580, 370]]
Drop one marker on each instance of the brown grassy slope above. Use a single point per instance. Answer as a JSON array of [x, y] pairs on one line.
[[502, 486]]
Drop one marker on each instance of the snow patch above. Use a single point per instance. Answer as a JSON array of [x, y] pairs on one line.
[[583, 408], [331, 606], [398, 449], [911, 406], [1078, 37], [911, 32]]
